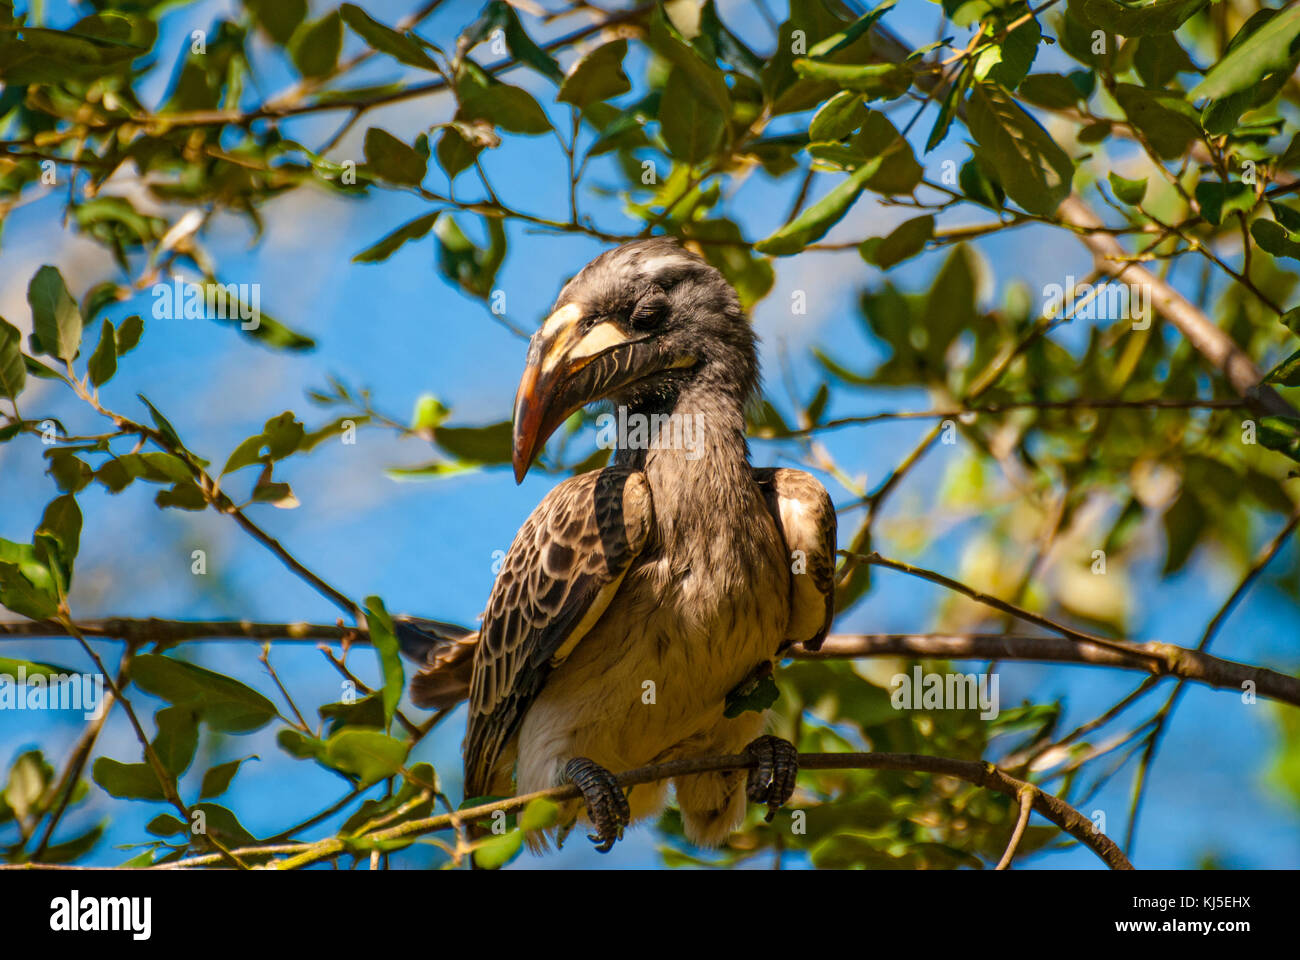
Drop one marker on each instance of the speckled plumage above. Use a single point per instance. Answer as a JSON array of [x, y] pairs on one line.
[[636, 597]]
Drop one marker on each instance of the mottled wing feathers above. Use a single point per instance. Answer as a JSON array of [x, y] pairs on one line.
[[557, 579], [806, 518], [445, 654]]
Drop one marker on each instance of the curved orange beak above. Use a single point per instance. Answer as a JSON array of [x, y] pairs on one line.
[[561, 375]]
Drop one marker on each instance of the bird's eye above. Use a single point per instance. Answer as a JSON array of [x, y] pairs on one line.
[[649, 310]]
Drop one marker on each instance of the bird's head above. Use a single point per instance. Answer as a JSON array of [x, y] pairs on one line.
[[637, 325]]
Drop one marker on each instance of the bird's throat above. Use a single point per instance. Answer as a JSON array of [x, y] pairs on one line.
[[693, 451]]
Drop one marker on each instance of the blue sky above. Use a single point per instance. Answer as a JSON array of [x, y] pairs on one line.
[[427, 548]]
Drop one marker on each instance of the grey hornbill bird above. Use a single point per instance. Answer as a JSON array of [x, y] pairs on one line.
[[636, 597]]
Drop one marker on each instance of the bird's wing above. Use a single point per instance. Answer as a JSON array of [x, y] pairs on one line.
[[560, 574], [445, 654], [806, 518]]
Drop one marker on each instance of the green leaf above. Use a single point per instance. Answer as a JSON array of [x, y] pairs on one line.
[[162, 467], [844, 38], [224, 703], [1288, 218], [1049, 90], [366, 712], [1281, 434], [457, 149], [216, 780], [884, 81], [690, 126], [161, 422], [1128, 191], [127, 781], [165, 825], [978, 185], [1138, 19], [58, 535], [899, 173], [1270, 47], [32, 668], [13, 373], [756, 694], [477, 445], [905, 241], [484, 97], [1218, 200], [386, 247], [1035, 172], [368, 755], [281, 436], [29, 777], [838, 117], [299, 745], [1168, 121], [128, 334], [393, 160], [428, 415], [524, 49], [474, 269], [1276, 239], [597, 77], [70, 472], [950, 107], [185, 495], [702, 77], [385, 39], [384, 639], [726, 249], [813, 224], [1160, 58], [1184, 524], [498, 850], [56, 321], [74, 849], [224, 825], [1007, 62], [23, 597], [539, 814], [1286, 373], [315, 48], [279, 18], [177, 737], [103, 362]]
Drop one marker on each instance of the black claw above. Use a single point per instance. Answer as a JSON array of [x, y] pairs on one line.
[[607, 806], [772, 781]]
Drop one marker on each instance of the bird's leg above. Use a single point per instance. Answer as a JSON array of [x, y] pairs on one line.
[[772, 781], [607, 806]]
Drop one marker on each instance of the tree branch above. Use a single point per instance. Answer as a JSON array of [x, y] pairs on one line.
[[981, 774], [1157, 659], [1201, 332]]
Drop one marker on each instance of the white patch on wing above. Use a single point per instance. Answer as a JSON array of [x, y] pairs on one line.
[[597, 610], [793, 512], [801, 530]]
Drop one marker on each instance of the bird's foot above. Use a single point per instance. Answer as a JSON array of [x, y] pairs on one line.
[[607, 806], [771, 782]]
